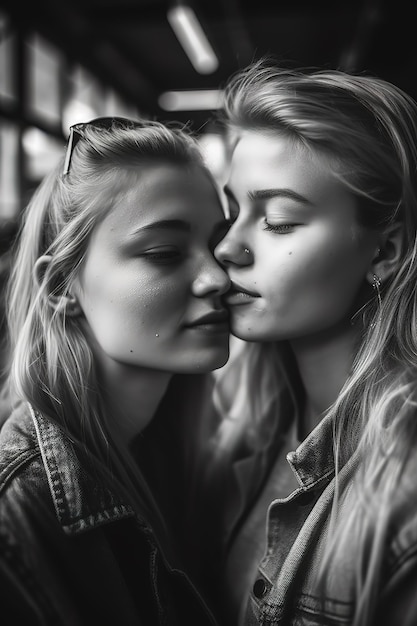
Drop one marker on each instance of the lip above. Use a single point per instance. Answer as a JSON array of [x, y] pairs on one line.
[[238, 295], [214, 320]]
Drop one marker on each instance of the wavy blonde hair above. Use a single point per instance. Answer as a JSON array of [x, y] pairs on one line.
[[367, 128]]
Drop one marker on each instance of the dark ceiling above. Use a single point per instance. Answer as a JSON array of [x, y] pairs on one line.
[[130, 44]]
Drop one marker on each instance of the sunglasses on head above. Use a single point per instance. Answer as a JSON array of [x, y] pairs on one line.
[[99, 123]]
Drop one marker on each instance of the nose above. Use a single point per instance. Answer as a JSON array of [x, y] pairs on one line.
[[211, 279], [233, 251]]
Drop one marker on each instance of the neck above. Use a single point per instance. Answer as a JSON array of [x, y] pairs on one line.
[[132, 398], [324, 362]]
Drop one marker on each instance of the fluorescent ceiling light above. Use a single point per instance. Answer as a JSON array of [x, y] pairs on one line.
[[191, 36], [200, 100]]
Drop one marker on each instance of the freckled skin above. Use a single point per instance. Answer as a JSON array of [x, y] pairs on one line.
[[310, 272], [138, 291]]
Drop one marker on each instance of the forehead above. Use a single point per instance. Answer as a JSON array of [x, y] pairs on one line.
[[161, 191], [263, 160]]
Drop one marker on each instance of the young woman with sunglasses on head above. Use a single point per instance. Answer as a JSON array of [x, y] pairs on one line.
[[114, 289], [317, 406]]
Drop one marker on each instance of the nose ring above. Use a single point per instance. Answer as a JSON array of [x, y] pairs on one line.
[[247, 250]]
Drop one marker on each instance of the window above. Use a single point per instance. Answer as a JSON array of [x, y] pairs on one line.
[[85, 99], [42, 152], [57, 93], [45, 66], [7, 62], [9, 178]]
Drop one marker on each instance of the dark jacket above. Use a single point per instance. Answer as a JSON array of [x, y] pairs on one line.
[[72, 552]]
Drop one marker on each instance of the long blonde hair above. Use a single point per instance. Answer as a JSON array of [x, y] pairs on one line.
[[52, 365], [367, 127]]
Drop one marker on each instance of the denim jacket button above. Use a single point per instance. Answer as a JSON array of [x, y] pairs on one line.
[[259, 588]]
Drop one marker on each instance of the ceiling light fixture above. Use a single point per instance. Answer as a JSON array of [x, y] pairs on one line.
[[191, 36], [198, 100]]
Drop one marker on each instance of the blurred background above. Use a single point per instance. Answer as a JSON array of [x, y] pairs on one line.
[[65, 61]]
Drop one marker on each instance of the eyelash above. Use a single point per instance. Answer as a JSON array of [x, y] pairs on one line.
[[282, 229], [167, 256]]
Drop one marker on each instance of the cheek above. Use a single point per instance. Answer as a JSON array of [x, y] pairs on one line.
[[342, 268], [326, 275], [283, 269], [115, 285], [336, 287], [160, 299], [146, 304], [123, 303]]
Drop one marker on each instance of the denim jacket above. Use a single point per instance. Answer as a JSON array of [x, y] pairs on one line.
[[285, 591], [72, 552]]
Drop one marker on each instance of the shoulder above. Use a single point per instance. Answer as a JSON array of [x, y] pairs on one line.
[[27, 515], [18, 444], [23, 479]]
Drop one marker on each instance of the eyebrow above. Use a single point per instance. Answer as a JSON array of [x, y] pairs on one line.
[[164, 225], [267, 194]]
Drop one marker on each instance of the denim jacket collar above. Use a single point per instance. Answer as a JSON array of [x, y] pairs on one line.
[[81, 501], [313, 461]]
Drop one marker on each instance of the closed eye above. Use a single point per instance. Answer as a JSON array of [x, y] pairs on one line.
[[163, 255], [282, 229]]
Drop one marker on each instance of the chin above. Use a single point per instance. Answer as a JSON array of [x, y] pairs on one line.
[[205, 365], [221, 362], [250, 334], [214, 364]]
